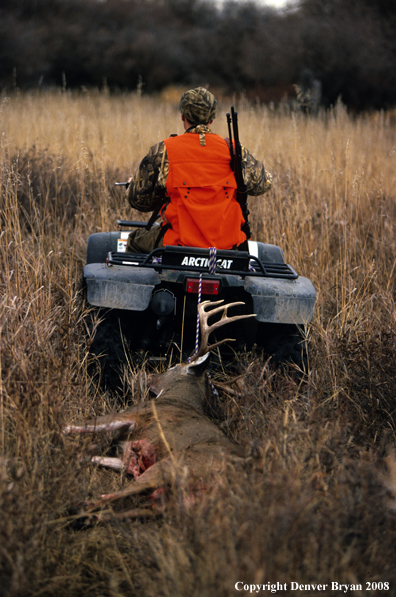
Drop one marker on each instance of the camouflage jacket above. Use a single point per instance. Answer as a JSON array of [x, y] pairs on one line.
[[148, 186]]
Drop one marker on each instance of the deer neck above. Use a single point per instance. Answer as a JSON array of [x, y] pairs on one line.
[[185, 394]]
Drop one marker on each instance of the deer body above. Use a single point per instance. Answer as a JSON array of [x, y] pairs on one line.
[[172, 429]]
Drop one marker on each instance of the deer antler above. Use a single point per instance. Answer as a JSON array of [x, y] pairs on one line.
[[207, 329]]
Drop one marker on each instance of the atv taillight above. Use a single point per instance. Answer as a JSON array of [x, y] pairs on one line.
[[208, 286]]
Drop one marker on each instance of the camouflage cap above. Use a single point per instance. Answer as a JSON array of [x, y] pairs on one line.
[[198, 106]]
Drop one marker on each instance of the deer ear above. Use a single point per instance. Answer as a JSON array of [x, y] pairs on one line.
[[198, 366]]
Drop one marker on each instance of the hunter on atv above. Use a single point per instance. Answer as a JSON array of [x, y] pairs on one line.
[[147, 304]]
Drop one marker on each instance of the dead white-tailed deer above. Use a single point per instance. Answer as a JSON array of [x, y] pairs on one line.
[[153, 437]]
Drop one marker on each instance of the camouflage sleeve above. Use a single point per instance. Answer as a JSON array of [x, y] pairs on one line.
[[148, 185], [257, 179]]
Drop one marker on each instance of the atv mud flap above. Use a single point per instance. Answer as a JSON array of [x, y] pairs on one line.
[[114, 288], [282, 301]]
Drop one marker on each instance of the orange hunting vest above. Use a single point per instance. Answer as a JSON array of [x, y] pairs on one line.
[[203, 211]]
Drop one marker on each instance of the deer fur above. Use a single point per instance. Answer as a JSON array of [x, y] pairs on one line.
[[153, 437]]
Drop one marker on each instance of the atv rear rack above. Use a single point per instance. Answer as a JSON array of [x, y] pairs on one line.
[[189, 259]]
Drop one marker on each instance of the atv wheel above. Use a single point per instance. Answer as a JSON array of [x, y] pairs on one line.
[[284, 343], [111, 332]]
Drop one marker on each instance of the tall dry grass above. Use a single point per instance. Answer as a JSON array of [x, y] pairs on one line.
[[323, 507]]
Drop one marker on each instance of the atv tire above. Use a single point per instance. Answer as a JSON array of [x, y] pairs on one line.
[[285, 343], [110, 333]]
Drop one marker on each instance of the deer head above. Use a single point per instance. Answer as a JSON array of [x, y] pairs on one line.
[[207, 329], [175, 383]]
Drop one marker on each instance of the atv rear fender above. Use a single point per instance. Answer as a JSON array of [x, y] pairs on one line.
[[131, 288]]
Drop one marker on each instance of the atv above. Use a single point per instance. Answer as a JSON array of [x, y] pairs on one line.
[[144, 306]]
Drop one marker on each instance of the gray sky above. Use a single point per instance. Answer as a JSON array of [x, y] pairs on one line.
[[276, 3]]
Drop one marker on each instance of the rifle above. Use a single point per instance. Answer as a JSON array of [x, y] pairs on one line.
[[236, 165]]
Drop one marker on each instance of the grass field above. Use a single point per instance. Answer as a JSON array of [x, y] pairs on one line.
[[323, 508]]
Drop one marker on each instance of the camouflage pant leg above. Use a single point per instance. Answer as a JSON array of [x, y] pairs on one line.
[[145, 241]]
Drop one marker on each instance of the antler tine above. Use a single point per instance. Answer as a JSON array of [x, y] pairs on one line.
[[207, 329]]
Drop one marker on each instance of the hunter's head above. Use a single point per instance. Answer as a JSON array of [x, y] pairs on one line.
[[198, 106]]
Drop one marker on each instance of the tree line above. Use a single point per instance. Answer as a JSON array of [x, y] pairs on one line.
[[338, 48]]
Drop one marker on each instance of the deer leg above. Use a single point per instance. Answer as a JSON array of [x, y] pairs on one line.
[[134, 488], [114, 463], [97, 427], [154, 477]]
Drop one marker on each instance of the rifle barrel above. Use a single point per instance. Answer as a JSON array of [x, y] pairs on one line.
[[236, 156], [231, 144]]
